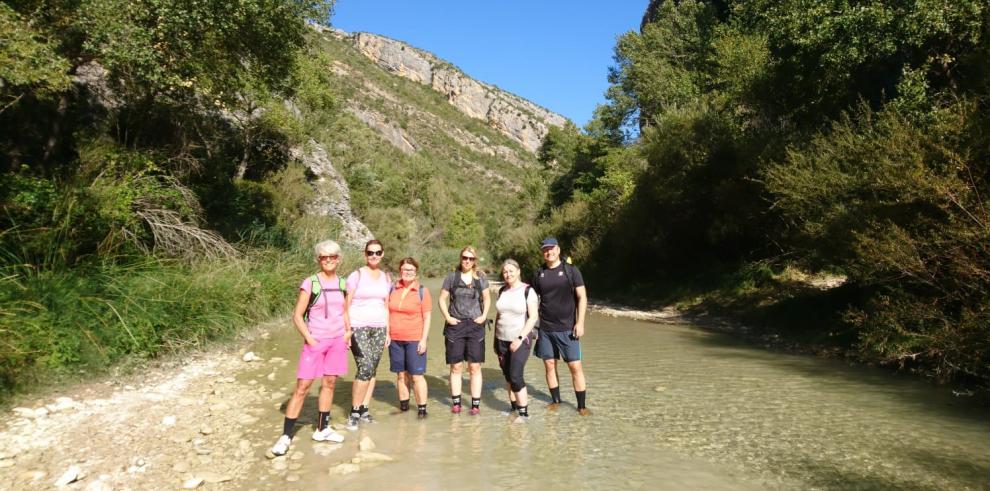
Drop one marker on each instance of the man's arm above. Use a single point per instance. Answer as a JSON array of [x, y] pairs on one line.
[[582, 307]]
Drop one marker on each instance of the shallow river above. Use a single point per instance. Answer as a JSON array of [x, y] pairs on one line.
[[674, 408]]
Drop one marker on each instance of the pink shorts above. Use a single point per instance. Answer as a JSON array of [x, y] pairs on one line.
[[328, 357]]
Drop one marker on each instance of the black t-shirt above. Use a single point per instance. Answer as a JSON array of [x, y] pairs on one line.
[[558, 305]]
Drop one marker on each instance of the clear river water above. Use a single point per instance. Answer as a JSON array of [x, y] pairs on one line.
[[674, 407]]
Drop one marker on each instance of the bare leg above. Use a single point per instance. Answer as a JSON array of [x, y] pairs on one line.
[[577, 375], [419, 386], [402, 385], [369, 392], [551, 366], [298, 396], [326, 392], [522, 398], [455, 378], [475, 369], [512, 395], [357, 392]]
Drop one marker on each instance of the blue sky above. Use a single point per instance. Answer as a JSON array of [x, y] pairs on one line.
[[554, 53]]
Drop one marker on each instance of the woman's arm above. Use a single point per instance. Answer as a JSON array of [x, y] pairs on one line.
[[302, 303], [444, 300], [486, 303]]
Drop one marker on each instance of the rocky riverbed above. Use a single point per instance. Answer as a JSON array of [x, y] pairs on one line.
[[206, 420]]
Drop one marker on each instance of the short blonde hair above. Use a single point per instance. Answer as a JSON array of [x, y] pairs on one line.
[[327, 248]]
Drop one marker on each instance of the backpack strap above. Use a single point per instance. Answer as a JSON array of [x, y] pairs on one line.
[[569, 274], [421, 292], [315, 290]]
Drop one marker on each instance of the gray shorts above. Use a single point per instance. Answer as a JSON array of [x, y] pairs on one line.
[[552, 345]]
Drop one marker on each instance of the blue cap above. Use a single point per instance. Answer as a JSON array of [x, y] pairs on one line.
[[548, 242]]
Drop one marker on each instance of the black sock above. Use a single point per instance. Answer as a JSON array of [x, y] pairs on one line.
[[287, 426], [323, 421], [580, 397], [421, 408], [555, 394], [362, 409], [476, 402], [356, 410], [455, 400], [514, 405], [404, 405], [523, 410]]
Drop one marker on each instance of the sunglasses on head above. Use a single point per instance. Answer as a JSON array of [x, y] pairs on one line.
[[467, 258], [332, 257], [379, 252]]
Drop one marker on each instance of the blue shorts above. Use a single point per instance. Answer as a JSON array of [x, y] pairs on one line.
[[552, 345], [403, 357]]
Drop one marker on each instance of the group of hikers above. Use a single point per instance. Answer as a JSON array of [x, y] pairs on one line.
[[367, 312]]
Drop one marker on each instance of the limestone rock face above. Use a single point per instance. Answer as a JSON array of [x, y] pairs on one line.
[[513, 116], [332, 197]]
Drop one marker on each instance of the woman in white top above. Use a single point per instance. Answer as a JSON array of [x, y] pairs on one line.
[[367, 310], [516, 308]]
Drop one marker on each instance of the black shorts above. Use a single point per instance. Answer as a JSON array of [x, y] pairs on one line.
[[465, 341]]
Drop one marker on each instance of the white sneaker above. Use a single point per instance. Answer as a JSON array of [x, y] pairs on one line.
[[328, 435], [282, 445]]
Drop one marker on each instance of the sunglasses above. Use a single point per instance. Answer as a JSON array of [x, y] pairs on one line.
[[379, 252], [467, 258], [411, 271], [332, 257]]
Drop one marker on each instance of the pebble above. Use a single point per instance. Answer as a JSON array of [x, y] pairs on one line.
[[212, 477], [344, 469], [660, 388], [168, 421], [366, 444], [271, 376], [71, 475], [374, 457], [205, 430], [292, 477], [250, 356], [192, 483]]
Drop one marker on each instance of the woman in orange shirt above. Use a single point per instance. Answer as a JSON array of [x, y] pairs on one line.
[[409, 306]]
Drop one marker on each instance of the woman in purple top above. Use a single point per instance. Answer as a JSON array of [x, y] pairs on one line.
[[321, 320]]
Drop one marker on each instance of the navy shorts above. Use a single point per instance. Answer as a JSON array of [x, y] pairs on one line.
[[552, 345], [403, 357], [465, 341]]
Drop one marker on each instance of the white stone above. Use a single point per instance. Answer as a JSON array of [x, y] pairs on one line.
[[250, 356], [192, 483], [168, 421], [344, 469], [72, 474], [366, 444], [374, 457], [205, 430], [271, 376]]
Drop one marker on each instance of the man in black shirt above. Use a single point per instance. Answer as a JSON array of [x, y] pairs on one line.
[[563, 302]]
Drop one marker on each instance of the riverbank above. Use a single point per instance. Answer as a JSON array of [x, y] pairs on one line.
[[172, 424]]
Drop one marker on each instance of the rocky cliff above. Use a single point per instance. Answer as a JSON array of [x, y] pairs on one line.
[[519, 119]]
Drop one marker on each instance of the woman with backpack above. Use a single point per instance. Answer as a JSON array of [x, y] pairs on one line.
[[322, 321], [516, 310], [409, 309], [367, 309], [464, 303]]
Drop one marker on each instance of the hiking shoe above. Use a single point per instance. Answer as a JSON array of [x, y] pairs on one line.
[[456, 409], [366, 418], [584, 411], [328, 435], [352, 421], [281, 446], [421, 414], [475, 410], [553, 406]]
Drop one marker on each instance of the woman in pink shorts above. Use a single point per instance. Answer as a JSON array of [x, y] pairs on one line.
[[322, 321]]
